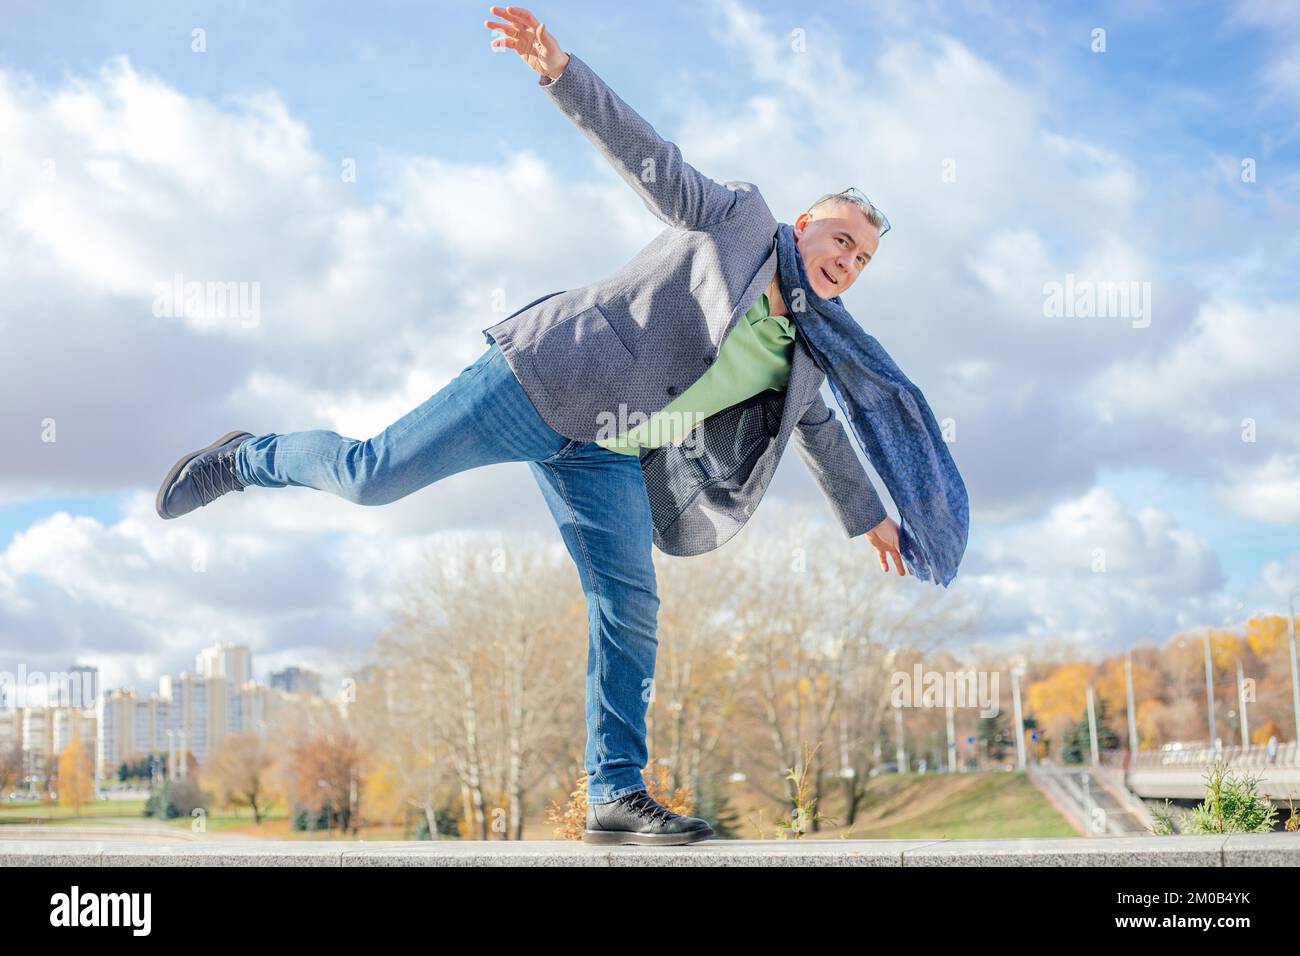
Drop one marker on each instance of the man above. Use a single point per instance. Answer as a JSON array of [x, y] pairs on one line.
[[652, 408]]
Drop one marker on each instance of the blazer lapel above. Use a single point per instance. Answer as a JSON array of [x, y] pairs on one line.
[[806, 379]]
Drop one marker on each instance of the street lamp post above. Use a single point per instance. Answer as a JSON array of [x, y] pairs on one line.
[[1295, 678], [900, 754], [1016, 671], [1241, 706], [1132, 715], [1295, 672], [952, 741], [1209, 688], [1092, 728]]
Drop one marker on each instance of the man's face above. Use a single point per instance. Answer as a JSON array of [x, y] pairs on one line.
[[836, 246]]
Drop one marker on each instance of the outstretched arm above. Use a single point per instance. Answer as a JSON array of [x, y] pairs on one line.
[[825, 449], [670, 187]]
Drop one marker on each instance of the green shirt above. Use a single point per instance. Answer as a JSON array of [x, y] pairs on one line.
[[755, 356]]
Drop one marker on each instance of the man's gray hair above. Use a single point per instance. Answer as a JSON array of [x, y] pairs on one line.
[[874, 215]]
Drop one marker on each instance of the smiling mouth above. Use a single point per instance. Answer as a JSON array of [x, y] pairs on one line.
[[827, 275]]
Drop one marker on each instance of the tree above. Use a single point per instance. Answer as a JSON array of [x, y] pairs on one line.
[[820, 641], [1076, 747], [76, 775], [478, 687], [324, 771], [177, 798], [996, 736], [714, 805], [11, 766], [236, 773]]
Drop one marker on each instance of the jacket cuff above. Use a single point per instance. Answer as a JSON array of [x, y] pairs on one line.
[[868, 519], [544, 81]]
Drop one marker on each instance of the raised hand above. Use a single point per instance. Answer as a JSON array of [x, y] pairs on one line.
[[530, 39], [884, 538]]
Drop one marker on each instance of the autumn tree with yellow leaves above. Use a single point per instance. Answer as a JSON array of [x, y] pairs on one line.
[[76, 775]]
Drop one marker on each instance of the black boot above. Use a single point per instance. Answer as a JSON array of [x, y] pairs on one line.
[[637, 818], [200, 477]]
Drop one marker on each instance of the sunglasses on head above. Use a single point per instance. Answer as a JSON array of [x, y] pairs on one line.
[[856, 193]]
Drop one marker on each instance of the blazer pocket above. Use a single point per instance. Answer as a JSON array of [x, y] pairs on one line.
[[728, 440], [578, 351], [772, 410]]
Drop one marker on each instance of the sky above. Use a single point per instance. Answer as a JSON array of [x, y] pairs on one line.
[[1011, 145]]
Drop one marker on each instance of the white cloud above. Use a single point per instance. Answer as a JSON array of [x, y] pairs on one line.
[[1094, 570], [1280, 71], [369, 306], [1277, 583], [139, 596], [1268, 491], [1013, 264], [1237, 361], [1095, 534]]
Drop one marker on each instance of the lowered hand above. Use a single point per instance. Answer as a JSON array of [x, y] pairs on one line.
[[884, 538]]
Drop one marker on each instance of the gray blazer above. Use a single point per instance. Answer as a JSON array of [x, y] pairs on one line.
[[646, 333]]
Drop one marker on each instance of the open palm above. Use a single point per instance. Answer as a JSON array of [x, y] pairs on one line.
[[530, 39]]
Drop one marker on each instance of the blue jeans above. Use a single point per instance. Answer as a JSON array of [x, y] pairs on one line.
[[597, 497]]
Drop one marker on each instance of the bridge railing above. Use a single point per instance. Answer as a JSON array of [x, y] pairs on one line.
[[1255, 757]]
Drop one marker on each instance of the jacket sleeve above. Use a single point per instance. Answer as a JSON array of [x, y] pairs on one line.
[[671, 188], [825, 449]]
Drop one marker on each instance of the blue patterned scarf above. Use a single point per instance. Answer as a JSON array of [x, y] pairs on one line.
[[891, 419]]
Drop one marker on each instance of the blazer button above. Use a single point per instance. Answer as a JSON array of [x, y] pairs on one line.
[[708, 358], [672, 389]]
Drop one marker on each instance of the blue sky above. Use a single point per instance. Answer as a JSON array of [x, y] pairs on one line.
[[1122, 164], [382, 77]]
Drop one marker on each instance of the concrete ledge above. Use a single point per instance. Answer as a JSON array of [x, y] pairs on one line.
[[1253, 849], [64, 833]]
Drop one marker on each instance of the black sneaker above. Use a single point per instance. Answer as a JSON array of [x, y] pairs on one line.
[[637, 818], [200, 477]]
